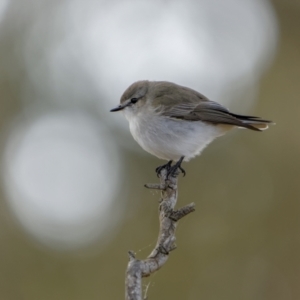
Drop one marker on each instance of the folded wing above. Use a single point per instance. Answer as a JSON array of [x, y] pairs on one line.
[[212, 112]]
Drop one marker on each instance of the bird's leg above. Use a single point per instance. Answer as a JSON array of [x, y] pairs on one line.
[[172, 170], [166, 166]]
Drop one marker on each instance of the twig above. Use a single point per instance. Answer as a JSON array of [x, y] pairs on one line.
[[168, 218]]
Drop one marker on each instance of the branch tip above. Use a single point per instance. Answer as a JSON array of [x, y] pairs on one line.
[[131, 255], [155, 186], [176, 215]]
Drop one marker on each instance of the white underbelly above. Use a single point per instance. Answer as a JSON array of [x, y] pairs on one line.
[[170, 139]]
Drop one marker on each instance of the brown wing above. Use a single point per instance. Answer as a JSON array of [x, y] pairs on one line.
[[209, 111]]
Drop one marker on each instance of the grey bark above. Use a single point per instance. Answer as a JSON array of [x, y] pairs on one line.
[[168, 219]]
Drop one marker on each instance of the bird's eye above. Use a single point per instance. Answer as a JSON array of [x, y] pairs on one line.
[[133, 100]]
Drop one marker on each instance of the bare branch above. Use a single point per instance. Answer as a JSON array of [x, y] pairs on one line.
[[168, 218]]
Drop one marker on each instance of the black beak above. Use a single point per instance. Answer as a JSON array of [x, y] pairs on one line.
[[117, 108]]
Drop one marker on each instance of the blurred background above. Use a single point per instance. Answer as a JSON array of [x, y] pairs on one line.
[[72, 201]]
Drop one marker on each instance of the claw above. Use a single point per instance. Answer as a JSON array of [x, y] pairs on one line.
[[166, 166], [172, 170], [182, 170]]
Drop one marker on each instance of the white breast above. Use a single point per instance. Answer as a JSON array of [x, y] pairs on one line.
[[169, 138]]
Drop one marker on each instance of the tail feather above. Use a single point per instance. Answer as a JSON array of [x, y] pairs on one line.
[[253, 123]]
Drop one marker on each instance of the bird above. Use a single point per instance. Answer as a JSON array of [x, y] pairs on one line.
[[175, 123]]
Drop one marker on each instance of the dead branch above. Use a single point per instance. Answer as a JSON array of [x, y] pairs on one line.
[[168, 219]]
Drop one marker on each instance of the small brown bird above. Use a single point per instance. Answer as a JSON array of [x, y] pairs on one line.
[[174, 122]]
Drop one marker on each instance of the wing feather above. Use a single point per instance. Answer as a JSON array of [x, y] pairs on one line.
[[179, 102], [212, 112]]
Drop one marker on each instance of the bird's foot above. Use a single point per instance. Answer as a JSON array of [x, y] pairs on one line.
[[166, 166], [173, 170]]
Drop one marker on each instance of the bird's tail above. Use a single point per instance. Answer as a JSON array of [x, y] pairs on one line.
[[253, 123]]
